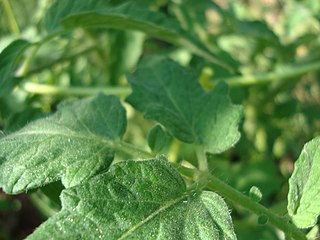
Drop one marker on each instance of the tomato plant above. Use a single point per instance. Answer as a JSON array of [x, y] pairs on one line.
[[162, 119]]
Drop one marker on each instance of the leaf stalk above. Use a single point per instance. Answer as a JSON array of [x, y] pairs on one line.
[[239, 199], [132, 150], [244, 201], [234, 82], [202, 159]]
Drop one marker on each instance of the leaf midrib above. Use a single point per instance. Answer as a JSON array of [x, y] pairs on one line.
[[104, 140], [177, 107], [302, 195], [151, 216]]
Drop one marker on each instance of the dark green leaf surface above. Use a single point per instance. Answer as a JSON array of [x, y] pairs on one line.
[[170, 94], [8, 61], [257, 29], [73, 144], [138, 200], [304, 187]]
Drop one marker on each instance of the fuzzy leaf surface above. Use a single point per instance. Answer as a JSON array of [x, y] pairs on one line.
[[8, 61], [304, 187], [138, 200], [73, 144], [171, 95]]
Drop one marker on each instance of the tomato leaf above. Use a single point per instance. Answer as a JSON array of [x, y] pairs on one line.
[[73, 144], [171, 95], [304, 187], [138, 200]]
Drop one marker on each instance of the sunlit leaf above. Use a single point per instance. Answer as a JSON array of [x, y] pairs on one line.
[[170, 94], [304, 187], [138, 200], [73, 144]]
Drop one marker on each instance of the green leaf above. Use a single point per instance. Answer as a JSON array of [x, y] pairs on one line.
[[131, 16], [304, 187], [73, 144], [138, 200], [60, 9], [8, 62], [171, 94], [157, 138], [257, 29]]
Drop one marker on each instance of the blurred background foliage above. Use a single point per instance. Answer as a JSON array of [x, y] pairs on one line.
[[271, 48]]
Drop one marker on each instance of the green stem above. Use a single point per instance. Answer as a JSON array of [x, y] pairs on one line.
[[42, 203], [239, 199], [226, 191], [289, 72], [26, 64], [37, 88], [12, 20], [202, 159]]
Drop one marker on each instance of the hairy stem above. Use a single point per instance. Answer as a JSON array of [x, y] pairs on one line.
[[244, 201], [202, 159], [239, 199]]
